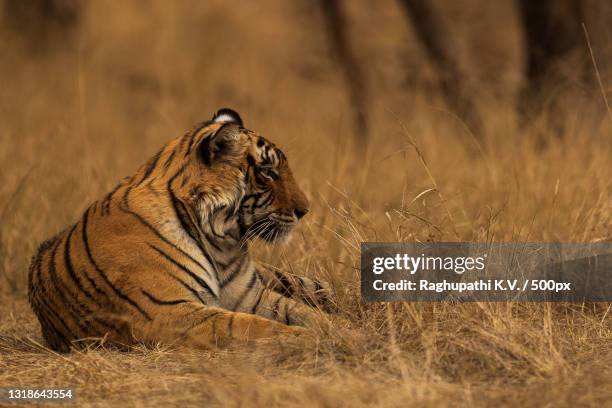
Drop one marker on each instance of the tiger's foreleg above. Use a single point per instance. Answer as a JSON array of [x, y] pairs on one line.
[[273, 305], [313, 292], [196, 325]]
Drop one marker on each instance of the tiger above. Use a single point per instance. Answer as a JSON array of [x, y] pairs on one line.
[[164, 256]]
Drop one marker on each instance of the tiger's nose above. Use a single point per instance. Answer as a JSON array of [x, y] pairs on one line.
[[300, 212]]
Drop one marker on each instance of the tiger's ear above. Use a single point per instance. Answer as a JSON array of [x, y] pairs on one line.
[[227, 115], [220, 145]]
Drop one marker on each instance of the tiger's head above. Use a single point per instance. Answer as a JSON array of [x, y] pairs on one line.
[[233, 167]]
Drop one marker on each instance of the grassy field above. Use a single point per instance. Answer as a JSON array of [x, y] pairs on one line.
[[74, 120]]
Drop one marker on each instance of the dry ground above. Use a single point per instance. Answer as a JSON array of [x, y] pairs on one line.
[[74, 121]]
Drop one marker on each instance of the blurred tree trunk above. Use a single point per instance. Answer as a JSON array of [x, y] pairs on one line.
[[44, 24], [442, 52], [340, 46], [553, 35]]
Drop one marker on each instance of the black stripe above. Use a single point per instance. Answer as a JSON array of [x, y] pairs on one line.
[[187, 223], [189, 288], [228, 279], [263, 196], [259, 297], [35, 271], [203, 320], [182, 267], [56, 281], [107, 200], [49, 309], [246, 292], [255, 196], [230, 326], [211, 239], [125, 200], [70, 267], [162, 302], [78, 283], [53, 338], [191, 140], [116, 290], [231, 214], [88, 316], [43, 305], [183, 216], [212, 242], [45, 295], [251, 162], [286, 288], [31, 275], [266, 202], [260, 180], [93, 283], [94, 205], [261, 201], [287, 322], [303, 284], [275, 307], [195, 131], [151, 166], [169, 159], [160, 236], [50, 329], [184, 140]]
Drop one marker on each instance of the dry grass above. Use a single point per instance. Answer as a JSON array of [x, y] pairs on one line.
[[73, 122]]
